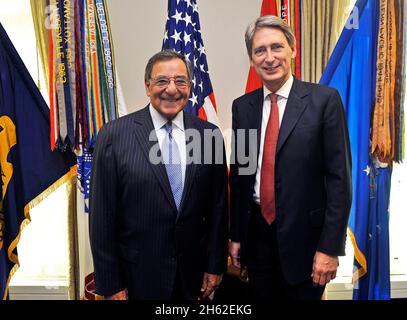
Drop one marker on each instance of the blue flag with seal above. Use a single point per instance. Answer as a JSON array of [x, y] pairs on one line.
[[29, 169], [351, 69]]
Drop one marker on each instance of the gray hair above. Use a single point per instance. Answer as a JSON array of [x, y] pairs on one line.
[[165, 55], [268, 22]]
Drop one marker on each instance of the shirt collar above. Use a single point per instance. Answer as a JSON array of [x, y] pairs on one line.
[[284, 91], [159, 121]]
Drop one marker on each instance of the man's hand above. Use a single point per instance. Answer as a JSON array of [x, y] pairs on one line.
[[324, 268], [234, 252], [121, 295], [209, 284]]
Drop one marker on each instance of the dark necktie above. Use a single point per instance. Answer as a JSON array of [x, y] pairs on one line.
[[172, 163], [267, 192]]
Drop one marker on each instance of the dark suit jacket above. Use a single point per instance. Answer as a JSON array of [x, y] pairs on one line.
[[138, 238], [312, 176]]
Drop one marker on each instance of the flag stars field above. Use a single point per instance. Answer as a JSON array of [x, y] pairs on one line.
[[367, 170], [187, 19], [194, 99], [201, 50], [177, 16], [176, 36], [187, 38]]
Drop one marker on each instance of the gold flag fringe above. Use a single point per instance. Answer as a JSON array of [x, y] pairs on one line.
[[360, 258]]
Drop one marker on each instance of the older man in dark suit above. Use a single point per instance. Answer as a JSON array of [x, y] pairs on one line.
[[158, 207], [290, 203]]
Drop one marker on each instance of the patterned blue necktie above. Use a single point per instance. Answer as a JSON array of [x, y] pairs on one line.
[[172, 163]]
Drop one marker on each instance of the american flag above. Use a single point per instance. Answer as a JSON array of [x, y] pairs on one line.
[[183, 34]]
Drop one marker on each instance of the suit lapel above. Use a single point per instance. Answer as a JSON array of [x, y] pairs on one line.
[[144, 126], [190, 168], [293, 110], [255, 113]]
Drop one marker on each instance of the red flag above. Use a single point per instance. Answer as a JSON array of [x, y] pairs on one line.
[[268, 7]]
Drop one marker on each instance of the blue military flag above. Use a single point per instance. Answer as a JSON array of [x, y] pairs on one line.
[[29, 170], [351, 70], [375, 285]]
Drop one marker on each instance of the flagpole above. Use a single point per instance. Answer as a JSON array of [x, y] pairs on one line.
[[73, 254]]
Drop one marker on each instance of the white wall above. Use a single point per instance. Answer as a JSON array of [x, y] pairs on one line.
[[138, 28]]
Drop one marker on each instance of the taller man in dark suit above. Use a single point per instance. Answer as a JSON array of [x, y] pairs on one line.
[[158, 203], [290, 201]]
